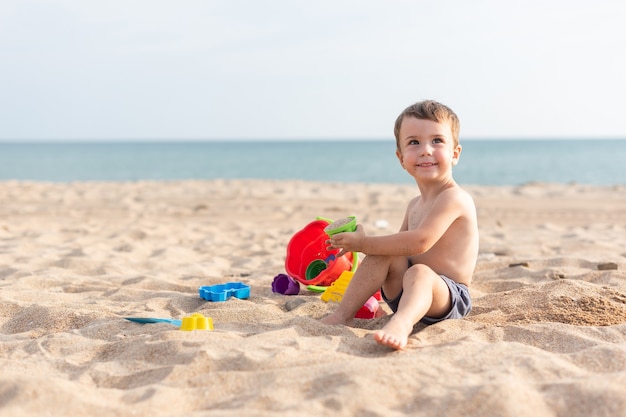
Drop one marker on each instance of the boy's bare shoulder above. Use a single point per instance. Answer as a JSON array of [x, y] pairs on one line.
[[454, 196], [459, 198], [457, 192]]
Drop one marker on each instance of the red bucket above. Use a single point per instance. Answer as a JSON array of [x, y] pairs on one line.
[[308, 245], [333, 270]]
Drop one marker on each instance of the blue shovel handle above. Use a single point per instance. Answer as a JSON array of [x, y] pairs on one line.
[[144, 320]]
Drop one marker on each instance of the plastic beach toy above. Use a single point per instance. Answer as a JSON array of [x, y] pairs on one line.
[[310, 262], [334, 269], [315, 268], [369, 309], [196, 322], [306, 246], [223, 292], [284, 284], [144, 320], [347, 224], [316, 288], [337, 289]]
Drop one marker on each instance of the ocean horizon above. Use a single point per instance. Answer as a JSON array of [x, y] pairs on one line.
[[483, 161]]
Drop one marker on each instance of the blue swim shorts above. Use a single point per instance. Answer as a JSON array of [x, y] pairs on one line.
[[461, 302]]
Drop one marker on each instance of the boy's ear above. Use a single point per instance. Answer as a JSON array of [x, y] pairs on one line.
[[400, 157], [456, 153]]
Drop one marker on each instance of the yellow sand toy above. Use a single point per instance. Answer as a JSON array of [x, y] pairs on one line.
[[196, 322], [337, 289]]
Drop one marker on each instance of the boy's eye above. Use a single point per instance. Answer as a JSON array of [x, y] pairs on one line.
[[414, 142], [437, 140]]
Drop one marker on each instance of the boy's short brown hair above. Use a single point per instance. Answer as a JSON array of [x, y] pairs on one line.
[[430, 110]]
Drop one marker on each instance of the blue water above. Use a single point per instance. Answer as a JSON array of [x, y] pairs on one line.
[[483, 162]]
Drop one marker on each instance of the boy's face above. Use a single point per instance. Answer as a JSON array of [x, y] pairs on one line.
[[427, 148]]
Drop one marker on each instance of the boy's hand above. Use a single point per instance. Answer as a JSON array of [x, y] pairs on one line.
[[347, 241]]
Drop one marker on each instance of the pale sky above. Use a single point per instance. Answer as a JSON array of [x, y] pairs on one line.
[[290, 69]]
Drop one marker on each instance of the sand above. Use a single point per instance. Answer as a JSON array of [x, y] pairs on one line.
[[547, 336]]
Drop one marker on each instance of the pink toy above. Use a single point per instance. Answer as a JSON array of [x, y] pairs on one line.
[[369, 309]]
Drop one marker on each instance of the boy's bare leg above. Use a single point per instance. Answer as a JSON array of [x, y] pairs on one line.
[[368, 278], [425, 294]]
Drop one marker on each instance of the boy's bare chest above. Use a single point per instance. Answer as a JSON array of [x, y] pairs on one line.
[[417, 214]]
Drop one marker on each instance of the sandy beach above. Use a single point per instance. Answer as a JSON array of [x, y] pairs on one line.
[[546, 337]]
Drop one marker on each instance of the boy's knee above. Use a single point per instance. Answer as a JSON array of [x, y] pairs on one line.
[[420, 272], [420, 269]]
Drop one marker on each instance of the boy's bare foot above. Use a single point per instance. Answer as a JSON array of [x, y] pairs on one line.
[[394, 334]]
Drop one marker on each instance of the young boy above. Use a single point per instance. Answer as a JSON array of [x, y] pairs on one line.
[[425, 269]]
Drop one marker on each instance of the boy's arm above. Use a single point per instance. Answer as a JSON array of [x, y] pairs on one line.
[[447, 209], [405, 222]]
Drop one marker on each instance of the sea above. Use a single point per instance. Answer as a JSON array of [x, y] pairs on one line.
[[483, 162]]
